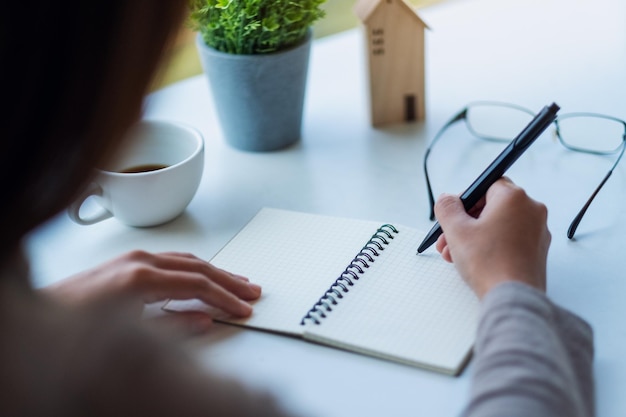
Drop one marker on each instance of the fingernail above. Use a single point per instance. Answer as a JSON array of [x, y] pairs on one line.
[[241, 278], [246, 309], [254, 287]]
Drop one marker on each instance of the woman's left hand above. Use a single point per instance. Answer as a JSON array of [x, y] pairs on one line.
[[144, 278]]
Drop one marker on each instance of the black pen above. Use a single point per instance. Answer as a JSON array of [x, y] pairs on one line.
[[499, 166]]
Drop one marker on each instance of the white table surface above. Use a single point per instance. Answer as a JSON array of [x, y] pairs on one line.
[[530, 52]]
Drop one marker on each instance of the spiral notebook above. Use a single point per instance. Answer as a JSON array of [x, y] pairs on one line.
[[351, 284]]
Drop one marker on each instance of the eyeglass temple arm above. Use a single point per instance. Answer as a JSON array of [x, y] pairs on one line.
[[574, 225], [429, 189], [431, 199]]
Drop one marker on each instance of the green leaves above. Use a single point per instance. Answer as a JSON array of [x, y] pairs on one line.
[[253, 26], [222, 4], [270, 24]]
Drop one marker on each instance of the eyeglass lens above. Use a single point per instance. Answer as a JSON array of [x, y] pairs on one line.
[[497, 123], [591, 134]]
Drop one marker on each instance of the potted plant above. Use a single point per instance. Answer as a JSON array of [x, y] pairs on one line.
[[255, 54]]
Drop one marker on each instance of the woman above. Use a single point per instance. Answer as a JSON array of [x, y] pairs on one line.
[[74, 75], [74, 81]]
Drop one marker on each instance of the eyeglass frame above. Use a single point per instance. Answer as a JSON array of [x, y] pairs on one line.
[[462, 115]]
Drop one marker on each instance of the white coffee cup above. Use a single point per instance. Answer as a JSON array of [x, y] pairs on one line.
[[152, 180]]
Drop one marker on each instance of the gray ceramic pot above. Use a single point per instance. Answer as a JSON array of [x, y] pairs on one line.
[[259, 98]]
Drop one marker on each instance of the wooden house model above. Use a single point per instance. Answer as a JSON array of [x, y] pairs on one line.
[[395, 45]]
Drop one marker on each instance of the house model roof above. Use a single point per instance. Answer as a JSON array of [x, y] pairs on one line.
[[365, 9]]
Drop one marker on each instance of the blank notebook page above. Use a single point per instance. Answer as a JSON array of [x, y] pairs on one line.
[[415, 309], [294, 257]]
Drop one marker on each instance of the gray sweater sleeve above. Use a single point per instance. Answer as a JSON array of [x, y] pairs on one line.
[[532, 358]]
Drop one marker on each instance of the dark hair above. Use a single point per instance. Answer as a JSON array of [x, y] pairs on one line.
[[74, 74]]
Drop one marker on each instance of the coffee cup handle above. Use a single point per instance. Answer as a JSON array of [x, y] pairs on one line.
[[74, 210]]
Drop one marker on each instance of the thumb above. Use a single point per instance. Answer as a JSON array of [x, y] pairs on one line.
[[450, 211]]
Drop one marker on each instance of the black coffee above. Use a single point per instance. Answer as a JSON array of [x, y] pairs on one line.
[[143, 168]]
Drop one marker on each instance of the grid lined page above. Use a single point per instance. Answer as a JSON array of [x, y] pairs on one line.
[[407, 308], [294, 257]]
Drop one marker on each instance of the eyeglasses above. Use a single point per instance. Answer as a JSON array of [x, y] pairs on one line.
[[590, 133]]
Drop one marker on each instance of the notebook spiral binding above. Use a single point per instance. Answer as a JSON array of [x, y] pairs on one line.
[[366, 256]]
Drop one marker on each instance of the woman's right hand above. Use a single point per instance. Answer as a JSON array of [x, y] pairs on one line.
[[504, 238]]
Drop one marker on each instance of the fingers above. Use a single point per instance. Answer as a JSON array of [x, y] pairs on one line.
[[443, 249], [157, 277], [451, 207], [449, 211], [238, 285], [505, 196], [501, 188], [156, 284], [453, 218]]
